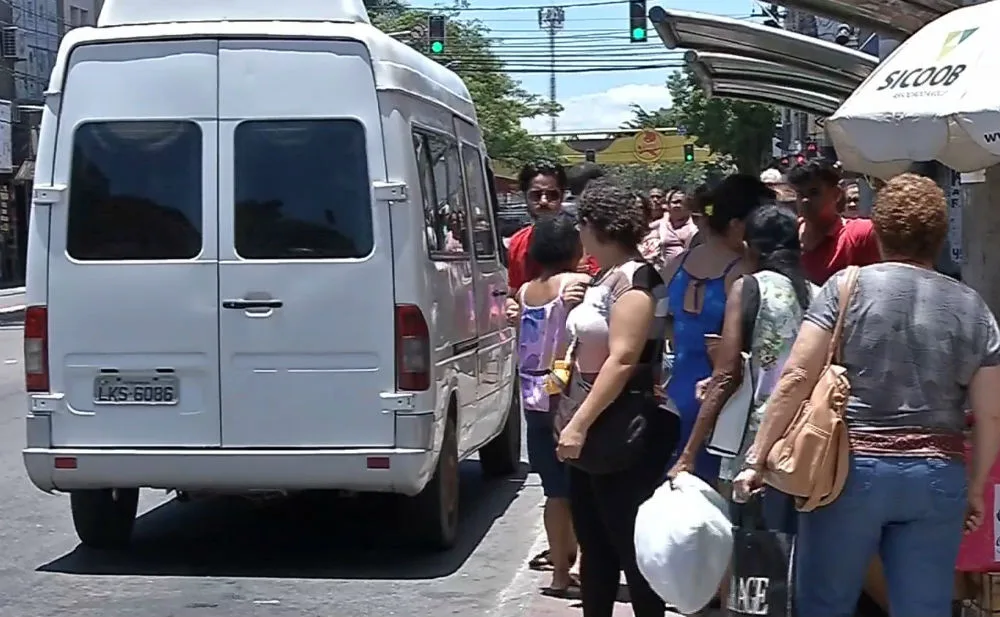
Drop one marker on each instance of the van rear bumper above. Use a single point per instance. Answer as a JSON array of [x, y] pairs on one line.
[[232, 469]]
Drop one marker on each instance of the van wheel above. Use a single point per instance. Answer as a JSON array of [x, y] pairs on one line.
[[104, 518], [502, 455], [435, 509]]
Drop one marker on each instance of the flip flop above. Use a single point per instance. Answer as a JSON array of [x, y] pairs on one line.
[[570, 592], [541, 561]]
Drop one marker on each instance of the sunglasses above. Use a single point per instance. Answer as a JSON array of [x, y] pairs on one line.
[[548, 194]]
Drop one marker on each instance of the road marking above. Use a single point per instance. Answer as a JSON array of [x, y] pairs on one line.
[[513, 600]]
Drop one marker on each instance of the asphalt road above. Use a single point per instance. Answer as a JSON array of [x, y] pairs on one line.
[[305, 556]]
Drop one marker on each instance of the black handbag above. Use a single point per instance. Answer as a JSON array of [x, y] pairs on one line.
[[761, 580], [617, 438]]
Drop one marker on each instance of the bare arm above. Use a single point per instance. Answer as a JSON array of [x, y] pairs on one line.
[[984, 396], [797, 380], [629, 323], [726, 373]]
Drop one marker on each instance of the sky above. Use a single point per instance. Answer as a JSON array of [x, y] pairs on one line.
[[592, 36]]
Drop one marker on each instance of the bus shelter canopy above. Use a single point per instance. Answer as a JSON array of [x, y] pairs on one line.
[[714, 65], [711, 33], [763, 91], [895, 18]]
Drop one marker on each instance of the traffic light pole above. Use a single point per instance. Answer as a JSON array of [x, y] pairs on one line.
[[551, 19]]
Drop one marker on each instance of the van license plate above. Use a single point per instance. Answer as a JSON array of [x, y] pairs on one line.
[[137, 389]]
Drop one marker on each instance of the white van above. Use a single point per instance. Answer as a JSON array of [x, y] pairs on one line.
[[262, 257]]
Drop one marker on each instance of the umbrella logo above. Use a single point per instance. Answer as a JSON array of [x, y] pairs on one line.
[[954, 39]]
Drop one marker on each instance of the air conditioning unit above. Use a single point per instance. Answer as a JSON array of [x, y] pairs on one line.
[[8, 43]]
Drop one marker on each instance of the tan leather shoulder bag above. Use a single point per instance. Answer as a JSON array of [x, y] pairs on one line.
[[810, 460]]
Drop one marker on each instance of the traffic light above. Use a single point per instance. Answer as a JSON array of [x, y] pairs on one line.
[[435, 34], [637, 21], [688, 153], [590, 156], [812, 151], [800, 160]]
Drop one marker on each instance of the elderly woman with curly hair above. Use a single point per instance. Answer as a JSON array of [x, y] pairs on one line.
[[917, 345], [619, 331]]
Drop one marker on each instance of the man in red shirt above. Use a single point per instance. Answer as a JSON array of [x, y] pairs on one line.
[[544, 186], [830, 242]]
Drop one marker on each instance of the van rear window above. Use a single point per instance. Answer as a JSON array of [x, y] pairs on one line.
[[302, 190], [135, 191]]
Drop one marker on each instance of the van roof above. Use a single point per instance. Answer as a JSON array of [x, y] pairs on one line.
[[397, 66]]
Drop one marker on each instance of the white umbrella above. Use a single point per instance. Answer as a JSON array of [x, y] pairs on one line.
[[937, 97]]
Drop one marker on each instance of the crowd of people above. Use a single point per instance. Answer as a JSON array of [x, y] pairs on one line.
[[630, 305]]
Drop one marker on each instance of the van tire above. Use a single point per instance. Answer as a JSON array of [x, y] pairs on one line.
[[501, 456], [435, 509], [104, 518]]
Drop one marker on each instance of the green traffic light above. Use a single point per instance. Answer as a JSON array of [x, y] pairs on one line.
[[689, 158], [638, 34], [437, 47]]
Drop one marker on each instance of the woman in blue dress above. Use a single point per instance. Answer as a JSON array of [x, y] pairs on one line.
[[699, 280]]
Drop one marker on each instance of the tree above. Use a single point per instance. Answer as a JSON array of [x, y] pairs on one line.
[[641, 177], [643, 119], [500, 101], [740, 129]]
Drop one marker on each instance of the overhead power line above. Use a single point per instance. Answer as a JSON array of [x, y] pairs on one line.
[[534, 7]]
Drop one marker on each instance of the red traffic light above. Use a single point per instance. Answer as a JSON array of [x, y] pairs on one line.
[[811, 147], [784, 162], [800, 159]]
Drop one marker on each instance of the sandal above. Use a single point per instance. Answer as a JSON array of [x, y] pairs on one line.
[[543, 561], [570, 592]]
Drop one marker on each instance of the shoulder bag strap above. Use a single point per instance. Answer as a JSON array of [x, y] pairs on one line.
[[749, 306], [845, 290]]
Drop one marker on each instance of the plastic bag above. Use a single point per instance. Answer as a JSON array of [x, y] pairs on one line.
[[683, 542], [761, 580]]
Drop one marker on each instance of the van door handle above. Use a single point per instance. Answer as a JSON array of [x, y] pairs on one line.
[[499, 292], [252, 304]]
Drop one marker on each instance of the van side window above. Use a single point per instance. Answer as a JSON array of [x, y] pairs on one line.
[[135, 191], [479, 203], [445, 212], [301, 190]]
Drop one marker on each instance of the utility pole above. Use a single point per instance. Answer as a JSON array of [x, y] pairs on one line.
[[551, 19]]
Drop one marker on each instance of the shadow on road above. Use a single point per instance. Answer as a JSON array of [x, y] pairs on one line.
[[306, 536]]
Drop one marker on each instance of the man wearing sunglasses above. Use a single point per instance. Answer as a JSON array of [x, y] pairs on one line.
[[830, 242], [544, 185]]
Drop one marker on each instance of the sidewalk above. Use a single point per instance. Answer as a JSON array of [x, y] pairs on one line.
[[544, 606]]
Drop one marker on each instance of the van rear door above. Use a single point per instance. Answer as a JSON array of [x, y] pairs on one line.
[[133, 256], [307, 336]]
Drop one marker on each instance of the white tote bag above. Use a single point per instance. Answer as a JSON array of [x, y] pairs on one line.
[[731, 425]]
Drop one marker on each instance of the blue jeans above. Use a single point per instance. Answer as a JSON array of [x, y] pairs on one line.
[[908, 510]]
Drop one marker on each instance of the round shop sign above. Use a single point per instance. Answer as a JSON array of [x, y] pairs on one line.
[[648, 146]]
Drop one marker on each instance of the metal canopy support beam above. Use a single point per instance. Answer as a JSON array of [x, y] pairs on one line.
[[895, 18], [711, 33], [763, 91], [714, 65]]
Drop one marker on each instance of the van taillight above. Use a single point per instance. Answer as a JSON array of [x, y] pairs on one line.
[[413, 349], [36, 349]]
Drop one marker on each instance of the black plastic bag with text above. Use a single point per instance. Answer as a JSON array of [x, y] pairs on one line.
[[761, 581]]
